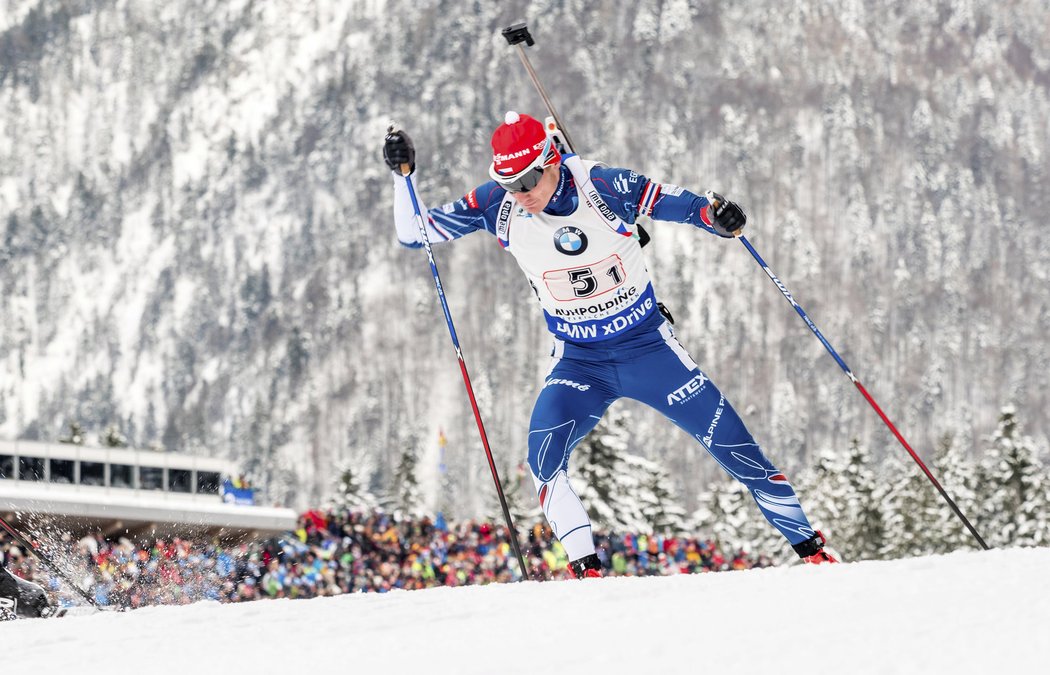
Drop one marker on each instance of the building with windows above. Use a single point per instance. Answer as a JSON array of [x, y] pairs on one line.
[[134, 492]]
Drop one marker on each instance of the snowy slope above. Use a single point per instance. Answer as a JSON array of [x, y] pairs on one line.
[[961, 613], [196, 246]]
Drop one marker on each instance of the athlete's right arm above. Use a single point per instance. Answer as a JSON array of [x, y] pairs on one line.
[[476, 211]]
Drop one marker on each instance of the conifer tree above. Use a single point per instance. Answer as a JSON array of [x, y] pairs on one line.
[[75, 436], [284, 483], [862, 533], [909, 506], [825, 487], [958, 476], [728, 512], [519, 490], [661, 508], [405, 495], [1013, 487], [113, 438], [352, 491], [719, 512], [603, 478]]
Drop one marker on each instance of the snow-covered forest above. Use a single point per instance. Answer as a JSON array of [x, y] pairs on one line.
[[197, 253], [889, 509]]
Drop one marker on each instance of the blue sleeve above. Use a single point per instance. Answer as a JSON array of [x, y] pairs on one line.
[[631, 194], [476, 210]]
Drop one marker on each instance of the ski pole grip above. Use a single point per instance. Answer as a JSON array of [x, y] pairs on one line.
[[517, 34], [713, 202], [712, 205], [406, 169]]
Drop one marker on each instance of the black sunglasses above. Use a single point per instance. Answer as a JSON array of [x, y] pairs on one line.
[[525, 182]]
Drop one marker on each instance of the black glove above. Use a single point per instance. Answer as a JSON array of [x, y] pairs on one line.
[[398, 150], [727, 218]]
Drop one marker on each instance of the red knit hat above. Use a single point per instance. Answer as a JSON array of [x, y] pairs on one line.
[[517, 144]]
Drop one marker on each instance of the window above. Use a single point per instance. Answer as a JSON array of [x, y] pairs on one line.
[[179, 480], [7, 466], [207, 482], [92, 473], [120, 476], [151, 478], [62, 471], [30, 468]]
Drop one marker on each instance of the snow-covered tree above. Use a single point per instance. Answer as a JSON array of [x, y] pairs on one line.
[[608, 482], [958, 475], [284, 484], [862, 533], [728, 513], [1013, 487], [113, 438], [352, 488], [825, 489], [911, 507], [75, 435], [519, 490], [661, 505], [722, 513], [404, 494]]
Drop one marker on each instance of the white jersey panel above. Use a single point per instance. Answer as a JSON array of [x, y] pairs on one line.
[[587, 269]]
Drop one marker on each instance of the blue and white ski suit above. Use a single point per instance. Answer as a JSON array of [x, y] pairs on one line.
[[610, 340]]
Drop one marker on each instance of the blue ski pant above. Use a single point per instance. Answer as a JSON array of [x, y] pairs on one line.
[[655, 369]]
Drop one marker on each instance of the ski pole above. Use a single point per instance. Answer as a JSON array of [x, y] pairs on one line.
[[44, 558], [421, 224], [519, 33], [860, 387]]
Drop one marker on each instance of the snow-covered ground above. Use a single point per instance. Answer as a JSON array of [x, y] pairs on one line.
[[961, 613]]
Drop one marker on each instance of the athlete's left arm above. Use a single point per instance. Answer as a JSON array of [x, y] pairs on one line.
[[631, 194]]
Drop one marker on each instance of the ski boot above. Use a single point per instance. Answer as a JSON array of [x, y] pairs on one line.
[[587, 567], [812, 550]]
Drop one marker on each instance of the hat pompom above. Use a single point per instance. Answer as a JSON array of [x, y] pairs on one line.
[[511, 117]]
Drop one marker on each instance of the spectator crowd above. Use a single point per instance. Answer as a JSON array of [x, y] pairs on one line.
[[338, 552]]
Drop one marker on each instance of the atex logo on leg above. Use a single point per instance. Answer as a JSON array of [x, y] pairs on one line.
[[694, 386]]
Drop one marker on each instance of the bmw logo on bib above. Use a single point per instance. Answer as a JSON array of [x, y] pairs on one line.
[[570, 240]]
